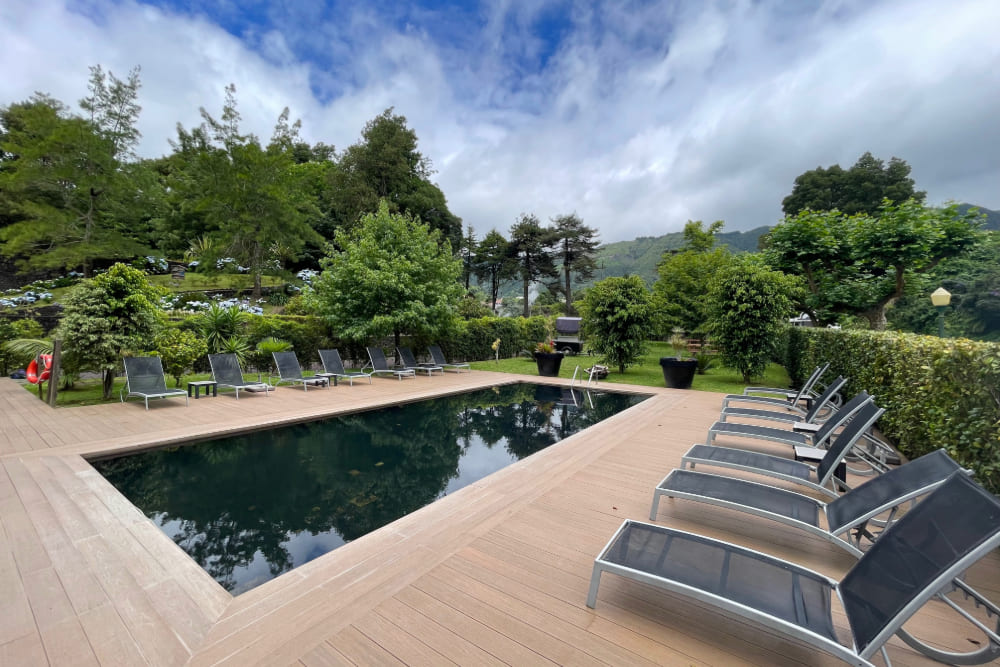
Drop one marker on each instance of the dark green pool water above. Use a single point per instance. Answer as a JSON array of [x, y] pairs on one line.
[[251, 507]]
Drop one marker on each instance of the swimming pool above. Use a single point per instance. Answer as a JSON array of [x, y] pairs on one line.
[[251, 507]]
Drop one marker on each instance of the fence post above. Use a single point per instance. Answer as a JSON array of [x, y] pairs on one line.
[[54, 373]]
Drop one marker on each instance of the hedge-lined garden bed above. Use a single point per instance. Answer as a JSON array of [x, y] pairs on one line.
[[937, 392]]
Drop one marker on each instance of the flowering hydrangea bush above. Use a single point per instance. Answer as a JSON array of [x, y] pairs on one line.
[[230, 263], [307, 276]]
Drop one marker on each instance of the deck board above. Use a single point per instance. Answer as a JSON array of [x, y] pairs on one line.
[[496, 573]]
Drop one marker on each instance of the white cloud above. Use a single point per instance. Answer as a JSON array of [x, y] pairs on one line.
[[638, 121]]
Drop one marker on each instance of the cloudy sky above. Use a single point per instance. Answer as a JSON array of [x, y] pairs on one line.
[[637, 115]]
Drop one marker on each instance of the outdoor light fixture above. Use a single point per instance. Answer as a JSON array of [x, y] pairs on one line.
[[941, 298]]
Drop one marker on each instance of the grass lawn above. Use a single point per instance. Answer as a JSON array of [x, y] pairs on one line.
[[647, 372]]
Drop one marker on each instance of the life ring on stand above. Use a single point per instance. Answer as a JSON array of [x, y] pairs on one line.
[[31, 372]]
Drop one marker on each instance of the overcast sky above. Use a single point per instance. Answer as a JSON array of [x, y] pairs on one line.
[[636, 115]]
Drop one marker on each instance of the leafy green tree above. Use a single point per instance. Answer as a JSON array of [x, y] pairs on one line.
[[493, 264], [860, 189], [71, 198], [861, 265], [390, 275], [685, 277], [178, 350], [252, 201], [386, 165], [750, 304], [576, 249], [530, 249], [617, 318], [106, 316]]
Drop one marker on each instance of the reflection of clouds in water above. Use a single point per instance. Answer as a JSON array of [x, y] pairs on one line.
[[478, 461], [305, 546]]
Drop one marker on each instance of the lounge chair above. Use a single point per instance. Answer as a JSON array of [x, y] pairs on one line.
[[437, 356], [922, 556], [144, 378], [333, 366], [817, 436], [805, 392], [853, 511], [290, 371], [821, 408], [226, 372], [409, 361], [799, 472], [381, 367]]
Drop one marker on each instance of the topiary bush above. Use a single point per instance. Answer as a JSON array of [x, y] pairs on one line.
[[937, 392]]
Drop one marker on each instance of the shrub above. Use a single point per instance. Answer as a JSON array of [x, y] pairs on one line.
[[617, 318], [178, 350], [937, 392]]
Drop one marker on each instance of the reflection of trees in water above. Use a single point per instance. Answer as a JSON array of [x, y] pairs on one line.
[[234, 498]]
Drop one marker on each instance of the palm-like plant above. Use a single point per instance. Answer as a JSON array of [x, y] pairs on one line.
[[217, 324], [265, 348]]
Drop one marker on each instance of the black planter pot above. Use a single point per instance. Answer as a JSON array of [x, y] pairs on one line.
[[678, 373], [548, 363]]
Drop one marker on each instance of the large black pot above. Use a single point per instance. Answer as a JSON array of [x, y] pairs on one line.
[[678, 373], [548, 363]]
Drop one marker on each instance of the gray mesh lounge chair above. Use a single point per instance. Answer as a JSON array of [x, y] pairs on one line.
[[780, 397], [798, 472], [290, 371], [817, 437], [821, 407], [853, 511], [381, 367], [919, 558], [333, 366], [409, 361], [226, 372], [437, 356], [144, 378]]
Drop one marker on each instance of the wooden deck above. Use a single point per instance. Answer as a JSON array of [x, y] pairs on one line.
[[496, 573]]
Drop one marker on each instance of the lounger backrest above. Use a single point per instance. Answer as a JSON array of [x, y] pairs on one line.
[[437, 356], [288, 365], [406, 356], [930, 545], [841, 416], [226, 369], [907, 481], [863, 419], [144, 375], [808, 384], [332, 363], [820, 401], [377, 357]]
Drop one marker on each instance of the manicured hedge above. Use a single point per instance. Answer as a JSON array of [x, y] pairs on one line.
[[937, 392], [474, 339]]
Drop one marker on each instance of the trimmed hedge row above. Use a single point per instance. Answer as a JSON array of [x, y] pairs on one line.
[[937, 392]]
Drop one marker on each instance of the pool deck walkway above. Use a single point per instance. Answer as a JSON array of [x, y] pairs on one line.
[[496, 573]]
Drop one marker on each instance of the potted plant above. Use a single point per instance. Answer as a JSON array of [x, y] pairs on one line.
[[679, 370], [547, 359]]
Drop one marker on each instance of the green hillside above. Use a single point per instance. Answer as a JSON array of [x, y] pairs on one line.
[[992, 217], [640, 256]]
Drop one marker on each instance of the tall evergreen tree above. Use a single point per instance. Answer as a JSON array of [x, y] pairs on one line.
[[63, 178], [530, 248], [467, 250], [576, 249], [493, 264]]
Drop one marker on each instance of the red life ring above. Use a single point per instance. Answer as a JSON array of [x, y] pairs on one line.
[[31, 372]]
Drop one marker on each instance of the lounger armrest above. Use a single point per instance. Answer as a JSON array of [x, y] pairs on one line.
[[805, 427]]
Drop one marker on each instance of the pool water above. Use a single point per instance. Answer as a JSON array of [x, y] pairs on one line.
[[249, 508]]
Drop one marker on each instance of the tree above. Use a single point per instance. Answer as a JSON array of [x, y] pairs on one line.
[[179, 349], [530, 249], [750, 304], [685, 278], [106, 316], [467, 250], [252, 201], [73, 201], [390, 275], [861, 264], [493, 264], [860, 189], [576, 247], [617, 318], [386, 165]]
